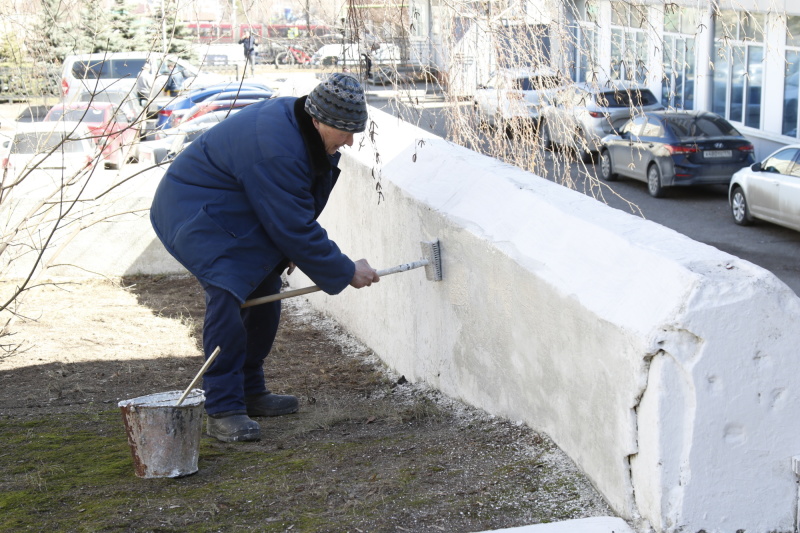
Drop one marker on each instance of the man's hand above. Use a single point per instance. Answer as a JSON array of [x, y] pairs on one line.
[[365, 275], [290, 268]]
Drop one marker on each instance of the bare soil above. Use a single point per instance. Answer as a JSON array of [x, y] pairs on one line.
[[368, 450]]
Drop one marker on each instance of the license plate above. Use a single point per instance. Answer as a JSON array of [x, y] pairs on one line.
[[717, 153]]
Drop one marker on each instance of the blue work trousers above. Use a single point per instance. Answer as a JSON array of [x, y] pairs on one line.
[[245, 337]]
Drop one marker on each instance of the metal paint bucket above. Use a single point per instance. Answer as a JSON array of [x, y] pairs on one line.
[[164, 438]]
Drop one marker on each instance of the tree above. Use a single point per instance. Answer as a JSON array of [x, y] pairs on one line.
[[127, 33], [53, 35], [167, 26]]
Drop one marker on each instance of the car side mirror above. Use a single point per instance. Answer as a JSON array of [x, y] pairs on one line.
[[625, 135], [756, 167]]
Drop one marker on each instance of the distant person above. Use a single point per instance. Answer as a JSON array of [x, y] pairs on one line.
[[144, 83], [175, 78], [248, 42], [367, 65]]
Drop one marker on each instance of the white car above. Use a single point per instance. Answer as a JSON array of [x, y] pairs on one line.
[[515, 94], [768, 190], [43, 155], [582, 114], [97, 72], [171, 141]]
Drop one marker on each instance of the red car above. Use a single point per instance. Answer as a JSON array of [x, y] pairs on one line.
[[112, 130]]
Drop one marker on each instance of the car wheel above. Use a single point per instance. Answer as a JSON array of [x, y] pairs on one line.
[[739, 208], [606, 168], [587, 156], [330, 61], [654, 182]]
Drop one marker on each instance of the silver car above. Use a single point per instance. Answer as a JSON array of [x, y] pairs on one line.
[[768, 190], [582, 114], [515, 95]]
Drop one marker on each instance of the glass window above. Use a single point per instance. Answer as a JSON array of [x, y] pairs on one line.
[[755, 76], [726, 25], [672, 18], [752, 28], [690, 20], [677, 86], [634, 125], [37, 142], [738, 70], [793, 31], [781, 162], [628, 42], [791, 78], [704, 126], [625, 98], [791, 82], [592, 12], [586, 39], [653, 128]]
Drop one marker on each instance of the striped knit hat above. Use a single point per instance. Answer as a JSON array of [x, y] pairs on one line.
[[339, 103]]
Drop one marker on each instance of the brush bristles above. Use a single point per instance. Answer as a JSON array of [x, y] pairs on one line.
[[431, 251]]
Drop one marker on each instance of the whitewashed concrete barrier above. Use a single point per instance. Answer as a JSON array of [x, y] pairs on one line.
[[667, 369]]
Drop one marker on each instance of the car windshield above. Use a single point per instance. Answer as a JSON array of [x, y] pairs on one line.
[[77, 115], [114, 97], [705, 126], [108, 68], [622, 98], [42, 141], [536, 83]]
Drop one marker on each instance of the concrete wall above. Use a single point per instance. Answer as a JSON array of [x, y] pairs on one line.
[[665, 368]]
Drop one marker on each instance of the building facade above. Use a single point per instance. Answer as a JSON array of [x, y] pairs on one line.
[[738, 59]]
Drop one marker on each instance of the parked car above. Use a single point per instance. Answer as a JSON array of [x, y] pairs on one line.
[[171, 113], [171, 141], [109, 126], [221, 102], [33, 113], [768, 190], [675, 148], [94, 73], [97, 72], [514, 95], [28, 163], [125, 101], [582, 114]]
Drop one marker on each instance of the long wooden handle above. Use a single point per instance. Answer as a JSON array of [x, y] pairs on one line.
[[314, 288], [198, 376]]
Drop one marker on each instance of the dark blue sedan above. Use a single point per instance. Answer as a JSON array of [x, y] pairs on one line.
[[178, 106], [675, 148]]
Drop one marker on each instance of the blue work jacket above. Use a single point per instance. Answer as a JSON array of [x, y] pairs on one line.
[[244, 197]]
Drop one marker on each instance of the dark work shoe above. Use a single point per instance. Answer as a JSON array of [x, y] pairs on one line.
[[233, 427], [268, 404]]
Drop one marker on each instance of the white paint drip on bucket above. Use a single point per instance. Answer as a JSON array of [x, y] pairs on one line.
[[164, 438]]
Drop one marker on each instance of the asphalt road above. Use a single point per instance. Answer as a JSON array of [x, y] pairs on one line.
[[701, 213]]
